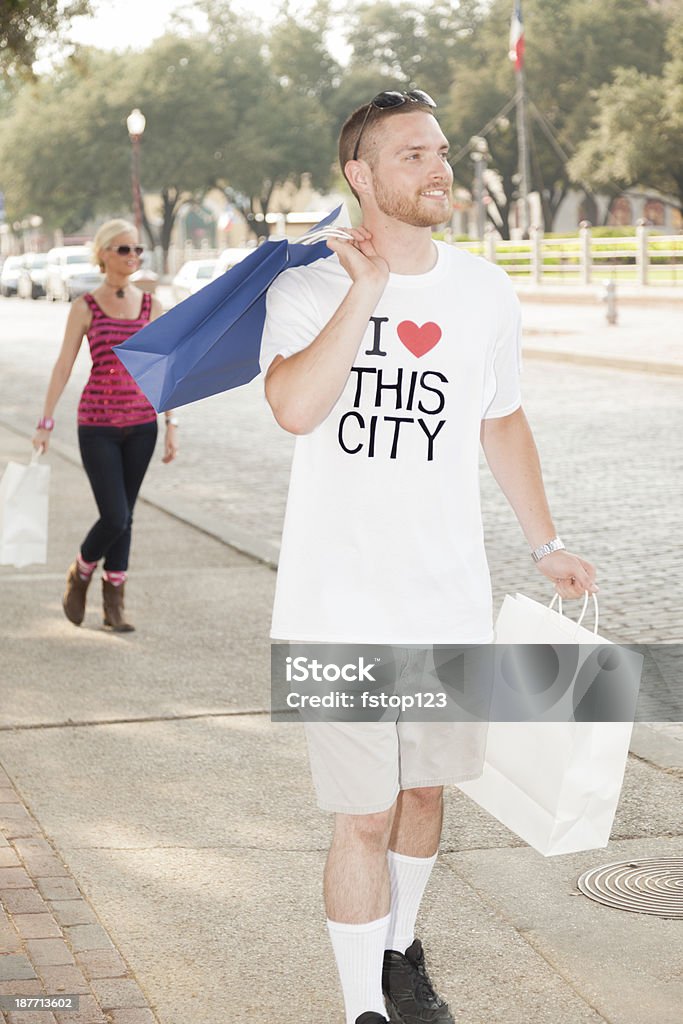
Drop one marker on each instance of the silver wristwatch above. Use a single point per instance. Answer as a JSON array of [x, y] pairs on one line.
[[547, 549], [172, 421]]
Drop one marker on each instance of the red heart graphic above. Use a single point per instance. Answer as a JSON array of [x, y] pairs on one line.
[[419, 340]]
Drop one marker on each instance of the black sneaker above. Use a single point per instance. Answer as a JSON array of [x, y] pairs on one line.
[[370, 1017], [408, 992]]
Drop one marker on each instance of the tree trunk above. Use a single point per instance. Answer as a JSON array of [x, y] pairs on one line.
[[261, 228], [171, 200]]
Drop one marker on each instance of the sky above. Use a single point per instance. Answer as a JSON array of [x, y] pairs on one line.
[[119, 24]]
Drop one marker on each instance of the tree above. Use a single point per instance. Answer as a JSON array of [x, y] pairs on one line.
[[637, 131], [25, 24], [411, 45], [216, 115], [173, 83], [299, 56], [191, 109], [65, 183], [573, 47], [281, 128]]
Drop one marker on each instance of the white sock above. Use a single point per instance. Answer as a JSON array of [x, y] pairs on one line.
[[359, 952], [409, 877]]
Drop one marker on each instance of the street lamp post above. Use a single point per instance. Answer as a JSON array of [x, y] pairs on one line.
[[135, 122]]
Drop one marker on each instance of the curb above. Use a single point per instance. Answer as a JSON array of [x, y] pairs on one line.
[[612, 362], [591, 296]]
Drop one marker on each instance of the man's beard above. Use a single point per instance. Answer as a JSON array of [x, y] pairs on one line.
[[414, 211]]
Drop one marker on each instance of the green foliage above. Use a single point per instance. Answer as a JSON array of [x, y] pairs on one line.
[[215, 115], [299, 58], [637, 132], [25, 24], [412, 45], [246, 108], [572, 48]]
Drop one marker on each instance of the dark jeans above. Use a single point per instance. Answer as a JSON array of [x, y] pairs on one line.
[[116, 460]]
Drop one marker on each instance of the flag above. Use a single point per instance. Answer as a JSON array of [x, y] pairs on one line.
[[516, 52]]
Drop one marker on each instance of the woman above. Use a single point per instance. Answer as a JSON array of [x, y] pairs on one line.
[[117, 426]]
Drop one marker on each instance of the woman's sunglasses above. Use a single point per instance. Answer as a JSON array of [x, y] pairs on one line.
[[126, 250], [386, 100]]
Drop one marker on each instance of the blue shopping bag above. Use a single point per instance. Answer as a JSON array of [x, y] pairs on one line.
[[211, 342]]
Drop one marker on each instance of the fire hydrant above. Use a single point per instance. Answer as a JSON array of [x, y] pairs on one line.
[[609, 297]]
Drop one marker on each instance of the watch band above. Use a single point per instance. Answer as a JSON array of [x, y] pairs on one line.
[[547, 549], [171, 421], [45, 423]]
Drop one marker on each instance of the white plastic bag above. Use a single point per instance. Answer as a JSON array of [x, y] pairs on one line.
[[24, 513], [556, 784]]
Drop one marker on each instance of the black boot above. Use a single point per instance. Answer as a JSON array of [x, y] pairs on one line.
[[112, 600]]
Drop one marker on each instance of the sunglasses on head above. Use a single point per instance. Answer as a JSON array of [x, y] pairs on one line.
[[389, 99], [125, 250]]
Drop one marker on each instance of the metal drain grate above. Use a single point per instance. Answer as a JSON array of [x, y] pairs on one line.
[[652, 886]]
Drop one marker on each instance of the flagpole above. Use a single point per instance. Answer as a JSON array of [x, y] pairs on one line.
[[516, 54], [523, 153]]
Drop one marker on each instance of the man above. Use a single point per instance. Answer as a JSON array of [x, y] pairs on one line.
[[392, 359]]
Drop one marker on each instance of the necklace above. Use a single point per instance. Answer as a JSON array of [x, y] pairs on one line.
[[120, 292]]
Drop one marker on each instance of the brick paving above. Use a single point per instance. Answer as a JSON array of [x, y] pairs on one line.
[[51, 942]]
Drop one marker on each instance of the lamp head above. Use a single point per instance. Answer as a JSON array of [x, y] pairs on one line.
[[135, 122]]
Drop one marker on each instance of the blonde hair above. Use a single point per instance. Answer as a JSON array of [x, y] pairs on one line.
[[106, 232]]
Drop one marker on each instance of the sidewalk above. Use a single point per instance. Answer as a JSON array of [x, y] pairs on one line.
[[161, 852]]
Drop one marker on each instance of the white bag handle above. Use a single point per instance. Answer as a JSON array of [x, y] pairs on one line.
[[311, 237], [37, 452], [556, 597]]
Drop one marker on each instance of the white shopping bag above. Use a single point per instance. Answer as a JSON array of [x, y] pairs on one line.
[[556, 783], [23, 513]]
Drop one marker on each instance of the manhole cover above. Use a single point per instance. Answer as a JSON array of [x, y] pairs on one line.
[[643, 886]]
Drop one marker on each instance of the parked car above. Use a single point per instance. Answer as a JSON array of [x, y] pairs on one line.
[[192, 277], [146, 280], [228, 258], [70, 272], [33, 276], [9, 275]]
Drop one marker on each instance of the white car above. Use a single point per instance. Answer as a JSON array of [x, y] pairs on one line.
[[70, 272], [228, 258], [33, 276], [192, 277], [9, 275]]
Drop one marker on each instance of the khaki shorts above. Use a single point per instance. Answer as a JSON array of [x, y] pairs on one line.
[[360, 767]]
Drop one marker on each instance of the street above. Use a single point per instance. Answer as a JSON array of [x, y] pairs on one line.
[[609, 443]]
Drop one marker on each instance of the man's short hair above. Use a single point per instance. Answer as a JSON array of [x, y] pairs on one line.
[[371, 132]]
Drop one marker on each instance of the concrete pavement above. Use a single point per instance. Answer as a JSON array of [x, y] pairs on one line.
[[162, 852]]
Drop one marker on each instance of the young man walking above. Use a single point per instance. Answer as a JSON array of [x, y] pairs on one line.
[[392, 360]]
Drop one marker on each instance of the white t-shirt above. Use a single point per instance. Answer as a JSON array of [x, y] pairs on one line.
[[383, 540]]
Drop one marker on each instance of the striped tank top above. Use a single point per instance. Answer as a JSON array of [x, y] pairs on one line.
[[111, 398]]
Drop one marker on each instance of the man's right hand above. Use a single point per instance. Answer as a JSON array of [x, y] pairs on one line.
[[302, 389], [359, 257]]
